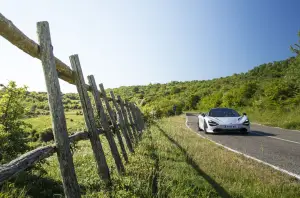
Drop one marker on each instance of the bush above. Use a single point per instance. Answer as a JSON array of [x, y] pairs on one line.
[[292, 125], [13, 137], [47, 135]]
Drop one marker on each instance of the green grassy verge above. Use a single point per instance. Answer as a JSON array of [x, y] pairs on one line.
[[74, 122], [276, 118], [170, 161]]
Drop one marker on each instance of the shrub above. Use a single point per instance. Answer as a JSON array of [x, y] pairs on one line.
[[13, 137], [47, 135]]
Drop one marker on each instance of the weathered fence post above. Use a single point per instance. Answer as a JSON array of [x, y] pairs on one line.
[[134, 115], [105, 125], [122, 122], [114, 122], [132, 124], [88, 113], [136, 124], [70, 184], [140, 117], [125, 118]]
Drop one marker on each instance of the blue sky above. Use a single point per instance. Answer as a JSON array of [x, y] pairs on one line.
[[139, 42]]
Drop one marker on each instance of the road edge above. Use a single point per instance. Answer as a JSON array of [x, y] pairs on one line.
[[256, 123], [247, 156]]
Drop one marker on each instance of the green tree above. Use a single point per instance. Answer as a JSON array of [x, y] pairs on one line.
[[193, 101], [136, 89], [12, 128], [296, 47]]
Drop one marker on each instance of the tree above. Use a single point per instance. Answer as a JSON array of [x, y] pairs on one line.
[[193, 101], [12, 127], [296, 49], [136, 89]]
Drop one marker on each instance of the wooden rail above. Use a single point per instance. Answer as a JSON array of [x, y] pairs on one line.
[[30, 158], [129, 121], [16, 37]]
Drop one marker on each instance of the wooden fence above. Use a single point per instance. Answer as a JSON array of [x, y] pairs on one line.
[[126, 118]]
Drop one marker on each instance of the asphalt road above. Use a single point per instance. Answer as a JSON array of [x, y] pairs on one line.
[[279, 147]]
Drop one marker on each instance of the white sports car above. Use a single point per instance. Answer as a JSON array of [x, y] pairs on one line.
[[219, 120]]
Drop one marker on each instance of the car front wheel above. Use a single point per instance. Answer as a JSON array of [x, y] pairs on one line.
[[245, 132], [205, 127], [199, 128]]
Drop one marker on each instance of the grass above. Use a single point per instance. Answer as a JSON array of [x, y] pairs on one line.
[[239, 176], [170, 161], [74, 122], [278, 118]]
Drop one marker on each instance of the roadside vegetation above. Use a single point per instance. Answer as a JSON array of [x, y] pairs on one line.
[[269, 94], [170, 161]]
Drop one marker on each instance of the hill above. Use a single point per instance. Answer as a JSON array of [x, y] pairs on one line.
[[271, 89], [268, 89]]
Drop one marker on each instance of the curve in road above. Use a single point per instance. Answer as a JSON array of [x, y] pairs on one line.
[[278, 148]]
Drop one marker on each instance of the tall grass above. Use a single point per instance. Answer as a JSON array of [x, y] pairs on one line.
[[169, 161], [74, 122], [277, 117]]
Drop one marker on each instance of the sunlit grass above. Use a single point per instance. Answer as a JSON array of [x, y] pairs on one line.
[[278, 118], [169, 161], [74, 122]]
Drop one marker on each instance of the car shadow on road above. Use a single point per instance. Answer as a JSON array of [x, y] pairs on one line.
[[252, 133], [219, 189]]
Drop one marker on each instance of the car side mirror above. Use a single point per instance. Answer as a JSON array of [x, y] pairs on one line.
[[244, 114]]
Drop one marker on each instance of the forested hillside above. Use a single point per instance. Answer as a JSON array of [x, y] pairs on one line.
[[269, 86], [268, 89]]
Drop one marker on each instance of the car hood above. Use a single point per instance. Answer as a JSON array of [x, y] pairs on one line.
[[229, 120]]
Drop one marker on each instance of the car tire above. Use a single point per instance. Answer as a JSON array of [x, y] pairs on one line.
[[199, 129], [205, 126]]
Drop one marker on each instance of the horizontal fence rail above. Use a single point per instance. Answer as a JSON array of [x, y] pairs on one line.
[[28, 159], [124, 118], [15, 36]]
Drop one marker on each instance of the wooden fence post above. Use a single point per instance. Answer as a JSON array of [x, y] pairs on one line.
[[105, 125], [88, 113], [114, 122], [132, 124], [70, 184], [125, 117], [134, 114], [139, 117], [122, 122]]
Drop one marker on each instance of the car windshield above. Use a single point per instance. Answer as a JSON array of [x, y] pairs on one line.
[[223, 113]]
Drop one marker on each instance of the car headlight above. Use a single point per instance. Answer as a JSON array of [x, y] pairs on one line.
[[246, 122], [212, 123]]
